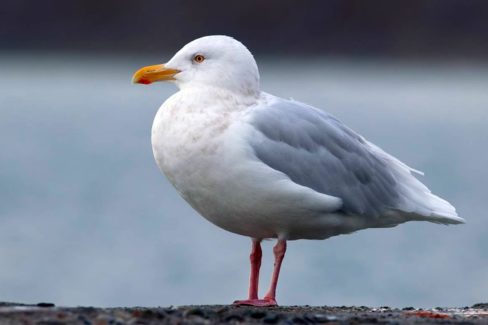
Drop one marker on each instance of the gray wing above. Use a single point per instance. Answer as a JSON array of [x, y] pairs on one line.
[[316, 150]]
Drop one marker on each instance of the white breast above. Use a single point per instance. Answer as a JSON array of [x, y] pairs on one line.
[[189, 140], [186, 136]]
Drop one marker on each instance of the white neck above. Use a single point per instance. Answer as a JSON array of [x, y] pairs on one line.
[[211, 96]]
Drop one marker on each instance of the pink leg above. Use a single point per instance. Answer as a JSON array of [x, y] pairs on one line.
[[270, 298], [256, 255], [279, 252]]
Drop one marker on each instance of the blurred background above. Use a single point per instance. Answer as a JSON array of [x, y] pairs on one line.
[[86, 218]]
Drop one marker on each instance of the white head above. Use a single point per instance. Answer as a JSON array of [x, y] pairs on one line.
[[210, 61]]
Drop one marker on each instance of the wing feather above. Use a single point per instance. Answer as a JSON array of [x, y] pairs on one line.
[[316, 150]]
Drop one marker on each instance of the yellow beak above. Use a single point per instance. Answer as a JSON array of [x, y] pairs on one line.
[[153, 73]]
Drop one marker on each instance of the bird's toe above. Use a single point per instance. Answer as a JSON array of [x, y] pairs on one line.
[[267, 302]]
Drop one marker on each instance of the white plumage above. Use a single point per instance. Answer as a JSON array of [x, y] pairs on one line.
[[266, 167]]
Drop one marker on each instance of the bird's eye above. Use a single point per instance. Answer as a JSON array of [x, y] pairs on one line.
[[198, 58]]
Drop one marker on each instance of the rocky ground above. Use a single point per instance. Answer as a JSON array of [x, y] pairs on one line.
[[48, 314]]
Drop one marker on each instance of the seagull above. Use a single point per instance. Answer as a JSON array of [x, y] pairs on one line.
[[266, 167]]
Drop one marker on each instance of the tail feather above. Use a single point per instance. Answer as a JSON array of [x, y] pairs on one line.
[[442, 211], [419, 203]]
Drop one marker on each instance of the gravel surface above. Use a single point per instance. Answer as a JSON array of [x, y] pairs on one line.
[[48, 314]]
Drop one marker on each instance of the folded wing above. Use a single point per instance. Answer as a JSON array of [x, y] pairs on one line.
[[316, 150]]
